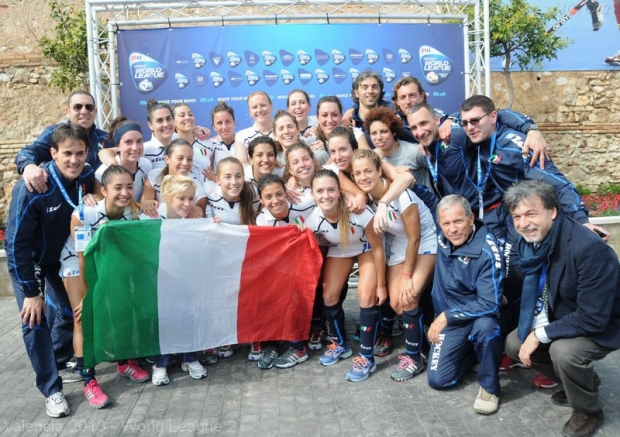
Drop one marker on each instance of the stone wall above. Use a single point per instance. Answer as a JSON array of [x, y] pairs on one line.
[[579, 114]]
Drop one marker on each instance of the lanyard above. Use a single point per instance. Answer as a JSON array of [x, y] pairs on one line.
[[543, 278], [433, 168], [61, 187], [481, 180]]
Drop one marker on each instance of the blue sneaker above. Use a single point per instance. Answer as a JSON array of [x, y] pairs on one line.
[[334, 353], [362, 368]]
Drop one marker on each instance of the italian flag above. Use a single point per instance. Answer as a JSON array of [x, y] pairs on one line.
[[170, 286]]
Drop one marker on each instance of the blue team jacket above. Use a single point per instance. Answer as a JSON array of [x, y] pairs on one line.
[[38, 152], [468, 281], [38, 226]]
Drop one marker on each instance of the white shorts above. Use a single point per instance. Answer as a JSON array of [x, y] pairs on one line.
[[396, 247], [69, 264], [354, 248]]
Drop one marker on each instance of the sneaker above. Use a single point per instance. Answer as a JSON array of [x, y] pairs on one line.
[[256, 350], [356, 334], [613, 60], [195, 369], [291, 358], [508, 364], [210, 356], [397, 328], [160, 376], [132, 371], [362, 368], [226, 351], [542, 381], [383, 345], [596, 10], [407, 368], [56, 405], [94, 395], [267, 358], [316, 340], [334, 353], [72, 364], [70, 375], [486, 403], [582, 424], [150, 360]]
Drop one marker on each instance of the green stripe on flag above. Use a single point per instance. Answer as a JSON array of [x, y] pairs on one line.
[[120, 312]]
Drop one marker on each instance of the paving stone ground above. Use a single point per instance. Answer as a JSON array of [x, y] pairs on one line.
[[239, 399]]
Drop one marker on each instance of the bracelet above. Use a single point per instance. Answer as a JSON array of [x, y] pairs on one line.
[[383, 201], [409, 275]]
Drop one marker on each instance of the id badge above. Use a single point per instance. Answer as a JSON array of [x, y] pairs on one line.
[[83, 234]]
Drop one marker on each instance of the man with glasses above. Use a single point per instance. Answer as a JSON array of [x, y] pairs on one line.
[[80, 110]]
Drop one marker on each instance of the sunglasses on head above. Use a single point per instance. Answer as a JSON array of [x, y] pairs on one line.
[[89, 107], [473, 121]]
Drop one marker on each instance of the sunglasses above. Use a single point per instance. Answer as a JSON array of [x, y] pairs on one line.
[[473, 121], [89, 107]]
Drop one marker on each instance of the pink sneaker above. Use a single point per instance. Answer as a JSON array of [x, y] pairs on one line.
[[95, 396], [132, 371]]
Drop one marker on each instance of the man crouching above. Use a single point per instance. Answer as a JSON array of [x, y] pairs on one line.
[[570, 304], [467, 292]]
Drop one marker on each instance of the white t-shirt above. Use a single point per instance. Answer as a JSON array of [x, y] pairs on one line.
[[155, 180], [94, 216], [144, 166], [358, 243]]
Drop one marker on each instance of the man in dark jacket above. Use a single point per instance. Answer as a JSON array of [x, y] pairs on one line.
[[467, 291], [570, 305], [37, 229], [80, 110]]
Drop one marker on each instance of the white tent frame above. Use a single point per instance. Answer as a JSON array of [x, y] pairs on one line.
[[102, 62]]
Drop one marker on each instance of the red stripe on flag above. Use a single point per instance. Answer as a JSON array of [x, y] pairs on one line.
[[278, 283]]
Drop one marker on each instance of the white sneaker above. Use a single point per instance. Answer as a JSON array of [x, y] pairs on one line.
[[70, 375], [56, 405], [195, 369], [486, 403], [160, 376]]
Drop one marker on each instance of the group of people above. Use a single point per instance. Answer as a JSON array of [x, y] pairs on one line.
[[480, 245]]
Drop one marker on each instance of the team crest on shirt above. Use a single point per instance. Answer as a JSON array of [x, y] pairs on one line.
[[365, 328], [464, 259], [408, 325], [392, 216], [495, 159]]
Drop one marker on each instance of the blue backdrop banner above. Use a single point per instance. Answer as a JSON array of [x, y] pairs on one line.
[[204, 65]]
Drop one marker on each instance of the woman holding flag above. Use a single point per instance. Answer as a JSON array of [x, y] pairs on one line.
[[177, 193], [117, 204]]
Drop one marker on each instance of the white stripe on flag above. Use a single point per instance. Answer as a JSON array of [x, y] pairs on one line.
[[191, 298]]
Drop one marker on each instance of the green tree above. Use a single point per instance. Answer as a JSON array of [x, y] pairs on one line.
[[68, 47], [518, 35]]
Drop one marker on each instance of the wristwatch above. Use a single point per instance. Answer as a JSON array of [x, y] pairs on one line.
[[531, 127]]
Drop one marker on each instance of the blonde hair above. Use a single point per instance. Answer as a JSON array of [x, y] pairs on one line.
[[174, 185]]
